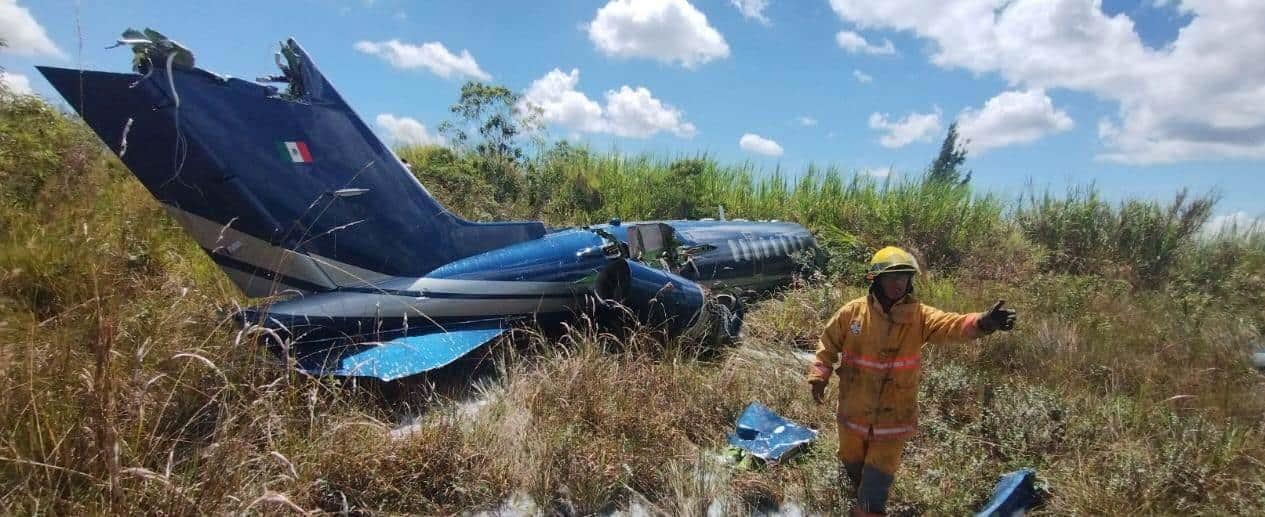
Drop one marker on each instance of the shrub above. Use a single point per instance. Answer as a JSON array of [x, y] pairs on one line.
[[1140, 241]]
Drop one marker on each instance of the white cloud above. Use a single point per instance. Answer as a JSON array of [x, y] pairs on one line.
[[757, 144], [862, 77], [670, 31], [16, 83], [635, 113], [559, 102], [629, 112], [1199, 97], [855, 43], [753, 9], [406, 131], [915, 127], [1013, 117], [1238, 222], [23, 35], [806, 121], [432, 56]]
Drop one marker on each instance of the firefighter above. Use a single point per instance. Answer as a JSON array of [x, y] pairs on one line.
[[877, 340]]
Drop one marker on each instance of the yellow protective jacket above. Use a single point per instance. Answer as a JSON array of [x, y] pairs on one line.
[[881, 360]]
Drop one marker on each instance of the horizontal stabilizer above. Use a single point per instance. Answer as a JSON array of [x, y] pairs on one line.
[[400, 357]]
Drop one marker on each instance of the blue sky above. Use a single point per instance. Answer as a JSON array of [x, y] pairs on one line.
[[1141, 97]]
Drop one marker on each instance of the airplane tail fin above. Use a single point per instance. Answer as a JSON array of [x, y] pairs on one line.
[[285, 189]]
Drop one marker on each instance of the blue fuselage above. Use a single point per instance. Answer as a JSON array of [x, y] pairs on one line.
[[549, 278]]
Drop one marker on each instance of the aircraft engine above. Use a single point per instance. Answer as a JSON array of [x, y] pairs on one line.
[[662, 299]]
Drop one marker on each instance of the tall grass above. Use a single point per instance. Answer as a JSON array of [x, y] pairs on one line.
[[1140, 240], [942, 222], [127, 390]]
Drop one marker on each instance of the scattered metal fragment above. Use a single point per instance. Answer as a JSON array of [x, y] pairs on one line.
[[767, 435], [1015, 494]]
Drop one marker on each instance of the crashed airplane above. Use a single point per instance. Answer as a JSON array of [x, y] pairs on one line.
[[364, 273]]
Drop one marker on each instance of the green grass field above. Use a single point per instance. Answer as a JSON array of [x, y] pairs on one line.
[[1127, 385]]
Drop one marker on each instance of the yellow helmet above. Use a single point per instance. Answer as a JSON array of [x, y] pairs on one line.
[[892, 260]]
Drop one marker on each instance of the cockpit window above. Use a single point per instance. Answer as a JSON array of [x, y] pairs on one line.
[[650, 241]]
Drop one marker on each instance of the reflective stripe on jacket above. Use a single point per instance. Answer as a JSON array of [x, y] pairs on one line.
[[879, 355]]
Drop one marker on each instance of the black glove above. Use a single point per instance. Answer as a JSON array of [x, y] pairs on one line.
[[998, 318], [819, 391]]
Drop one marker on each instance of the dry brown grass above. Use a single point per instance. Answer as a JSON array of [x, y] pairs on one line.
[[145, 404]]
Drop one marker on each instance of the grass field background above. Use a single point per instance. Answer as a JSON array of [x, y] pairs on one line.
[[1127, 384]]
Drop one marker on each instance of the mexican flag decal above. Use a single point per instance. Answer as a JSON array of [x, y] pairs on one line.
[[295, 152]]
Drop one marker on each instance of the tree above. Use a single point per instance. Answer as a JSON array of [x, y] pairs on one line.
[[947, 167], [491, 112]]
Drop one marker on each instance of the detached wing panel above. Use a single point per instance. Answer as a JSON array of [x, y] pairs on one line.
[[400, 357]]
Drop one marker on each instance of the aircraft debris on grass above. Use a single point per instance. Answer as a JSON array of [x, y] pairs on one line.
[[365, 274]]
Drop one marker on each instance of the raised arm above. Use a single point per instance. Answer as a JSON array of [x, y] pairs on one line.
[[951, 327]]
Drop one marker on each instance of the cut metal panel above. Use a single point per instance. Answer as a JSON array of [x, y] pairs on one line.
[[398, 358]]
